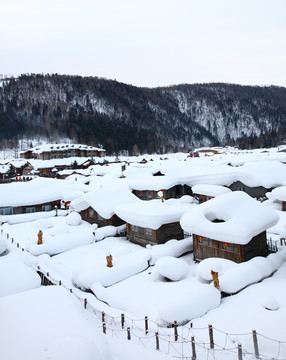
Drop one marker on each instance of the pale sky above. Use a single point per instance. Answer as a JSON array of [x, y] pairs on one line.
[[147, 42]]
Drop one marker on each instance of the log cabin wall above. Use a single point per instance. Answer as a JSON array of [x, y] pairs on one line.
[[9, 210], [92, 217], [205, 248], [144, 236]]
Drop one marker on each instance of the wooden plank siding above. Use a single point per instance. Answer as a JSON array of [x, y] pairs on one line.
[[174, 192], [205, 248], [144, 236], [91, 216], [9, 210]]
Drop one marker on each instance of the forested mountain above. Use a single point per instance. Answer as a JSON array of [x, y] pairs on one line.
[[119, 117]]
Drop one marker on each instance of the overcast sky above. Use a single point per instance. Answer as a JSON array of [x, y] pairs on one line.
[[147, 42]]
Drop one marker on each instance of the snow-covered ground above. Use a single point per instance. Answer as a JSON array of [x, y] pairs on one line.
[[160, 282]]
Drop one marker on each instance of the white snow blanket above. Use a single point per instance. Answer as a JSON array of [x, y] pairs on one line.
[[16, 276], [123, 267], [153, 213], [242, 218], [55, 244], [210, 190], [49, 323]]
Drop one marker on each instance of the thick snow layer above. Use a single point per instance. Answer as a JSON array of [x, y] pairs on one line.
[[216, 264], [195, 303], [210, 190], [73, 219], [172, 268], [174, 248], [104, 200], [123, 267], [3, 246], [38, 191], [49, 323], [16, 276], [242, 218], [153, 183], [62, 241], [279, 193], [241, 275], [152, 214]]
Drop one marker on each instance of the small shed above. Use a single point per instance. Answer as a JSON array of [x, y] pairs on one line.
[[204, 192], [97, 207], [231, 226], [153, 222]]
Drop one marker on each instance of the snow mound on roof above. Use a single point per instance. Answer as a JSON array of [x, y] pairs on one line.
[[172, 268], [73, 219], [241, 218], [210, 190]]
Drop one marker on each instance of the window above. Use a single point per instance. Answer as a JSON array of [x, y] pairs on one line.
[[229, 247], [240, 188], [6, 211], [149, 232], [47, 207], [91, 213], [31, 209]]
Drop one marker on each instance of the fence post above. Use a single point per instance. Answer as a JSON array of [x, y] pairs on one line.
[[128, 334], [255, 344], [239, 352], [176, 330], [211, 336], [85, 303], [103, 317], [122, 321], [157, 340], [194, 355], [146, 325], [18, 245], [60, 282], [12, 240], [7, 236], [104, 328]]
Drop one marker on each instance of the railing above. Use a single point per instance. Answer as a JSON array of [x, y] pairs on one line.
[[181, 342]]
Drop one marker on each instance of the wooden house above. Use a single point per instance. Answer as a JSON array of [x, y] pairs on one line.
[[97, 207], [93, 217], [231, 226], [152, 222], [149, 187], [205, 192], [60, 151]]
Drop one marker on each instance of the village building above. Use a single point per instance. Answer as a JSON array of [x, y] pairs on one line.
[[36, 196], [148, 187], [205, 192], [60, 151], [97, 207], [153, 222], [231, 226]]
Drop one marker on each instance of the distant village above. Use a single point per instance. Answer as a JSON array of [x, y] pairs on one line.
[[110, 220]]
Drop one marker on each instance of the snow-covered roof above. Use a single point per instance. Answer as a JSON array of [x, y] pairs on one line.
[[38, 191], [210, 190], [279, 193], [153, 213], [242, 218], [104, 200], [153, 183]]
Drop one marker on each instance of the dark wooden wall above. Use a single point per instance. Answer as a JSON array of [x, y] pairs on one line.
[[205, 248]]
